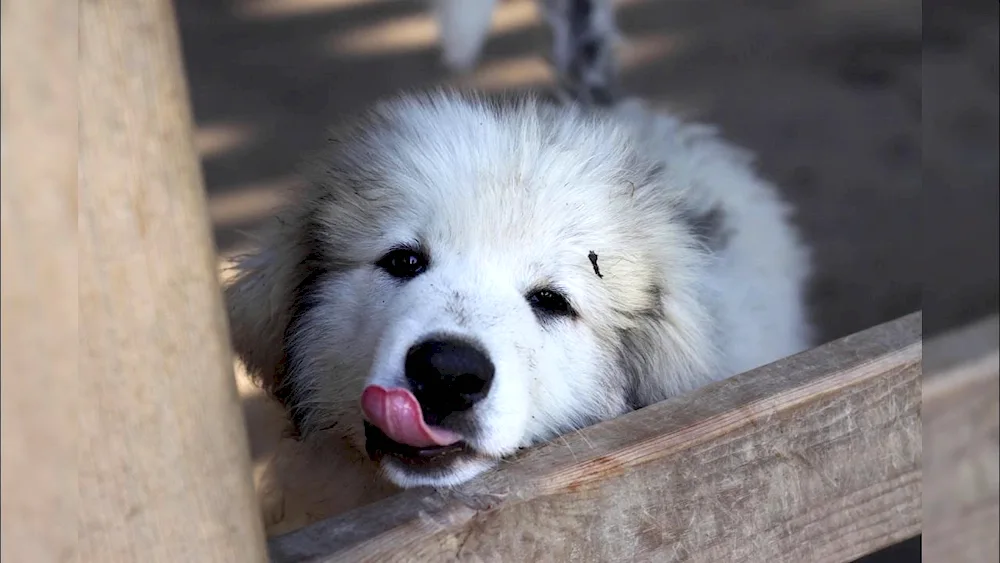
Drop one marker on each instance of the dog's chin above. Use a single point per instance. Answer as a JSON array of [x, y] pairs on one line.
[[457, 471], [442, 466]]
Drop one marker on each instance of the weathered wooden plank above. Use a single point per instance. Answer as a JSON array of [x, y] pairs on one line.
[[961, 430], [38, 268], [164, 463], [813, 458]]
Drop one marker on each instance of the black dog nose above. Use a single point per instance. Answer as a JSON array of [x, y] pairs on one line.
[[447, 376]]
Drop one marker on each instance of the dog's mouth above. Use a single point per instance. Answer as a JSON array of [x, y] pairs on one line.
[[379, 447], [395, 430]]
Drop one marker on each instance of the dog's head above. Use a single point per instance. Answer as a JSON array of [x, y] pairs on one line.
[[465, 277]]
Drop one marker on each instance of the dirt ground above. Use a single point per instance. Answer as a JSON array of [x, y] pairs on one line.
[[892, 165]]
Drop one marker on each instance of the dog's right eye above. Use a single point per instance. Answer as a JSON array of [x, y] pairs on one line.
[[403, 263], [550, 302]]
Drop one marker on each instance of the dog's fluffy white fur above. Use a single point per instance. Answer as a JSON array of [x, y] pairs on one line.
[[679, 264]]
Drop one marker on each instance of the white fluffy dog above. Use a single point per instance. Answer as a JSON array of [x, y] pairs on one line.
[[467, 276]]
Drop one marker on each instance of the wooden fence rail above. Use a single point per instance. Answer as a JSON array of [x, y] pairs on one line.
[[813, 458], [961, 431]]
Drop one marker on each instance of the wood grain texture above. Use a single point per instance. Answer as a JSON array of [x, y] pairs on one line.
[[38, 344], [164, 463], [813, 458], [961, 430]]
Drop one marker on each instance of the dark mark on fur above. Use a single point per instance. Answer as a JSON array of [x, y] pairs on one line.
[[709, 227], [634, 351], [655, 294], [637, 346], [593, 261], [304, 300], [313, 268]]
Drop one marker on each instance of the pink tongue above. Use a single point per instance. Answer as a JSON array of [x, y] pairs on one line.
[[397, 413]]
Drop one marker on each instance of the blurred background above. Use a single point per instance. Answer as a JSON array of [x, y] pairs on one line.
[[878, 119], [828, 93]]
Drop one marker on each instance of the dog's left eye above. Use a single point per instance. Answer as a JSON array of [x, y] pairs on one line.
[[550, 302], [403, 263]]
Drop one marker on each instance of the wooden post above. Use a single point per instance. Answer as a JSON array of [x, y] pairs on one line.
[[164, 462], [961, 422], [38, 344], [812, 458]]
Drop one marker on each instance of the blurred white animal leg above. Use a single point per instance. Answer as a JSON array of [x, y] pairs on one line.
[[463, 26]]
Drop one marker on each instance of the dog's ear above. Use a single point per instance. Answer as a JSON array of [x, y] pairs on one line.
[[259, 301]]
